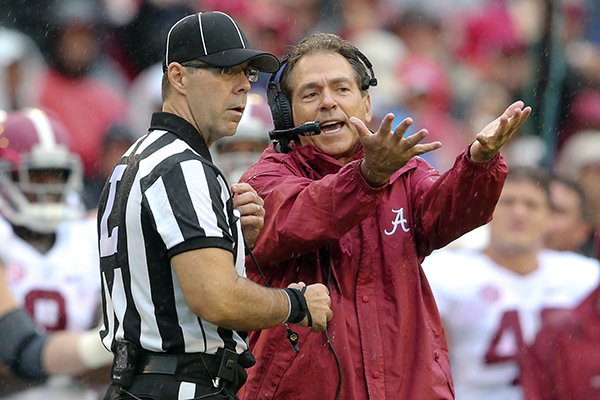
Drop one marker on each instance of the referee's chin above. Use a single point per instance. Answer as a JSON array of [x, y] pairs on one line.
[[230, 130]]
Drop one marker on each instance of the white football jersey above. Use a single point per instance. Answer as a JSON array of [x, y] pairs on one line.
[[61, 288], [489, 311]]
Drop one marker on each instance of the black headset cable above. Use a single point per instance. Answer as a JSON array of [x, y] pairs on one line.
[[290, 332]]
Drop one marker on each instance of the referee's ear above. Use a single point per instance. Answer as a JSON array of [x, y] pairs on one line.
[[178, 77]]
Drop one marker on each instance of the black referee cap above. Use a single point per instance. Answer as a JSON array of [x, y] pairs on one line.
[[216, 39]]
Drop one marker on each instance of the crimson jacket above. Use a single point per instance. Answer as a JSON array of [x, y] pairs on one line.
[[386, 329], [564, 361]]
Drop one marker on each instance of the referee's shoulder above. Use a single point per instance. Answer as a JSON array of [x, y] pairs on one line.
[[174, 153]]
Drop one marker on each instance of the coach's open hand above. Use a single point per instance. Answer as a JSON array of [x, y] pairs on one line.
[[495, 135], [250, 206], [386, 151]]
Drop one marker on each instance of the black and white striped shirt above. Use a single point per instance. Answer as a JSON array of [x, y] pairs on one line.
[[164, 197]]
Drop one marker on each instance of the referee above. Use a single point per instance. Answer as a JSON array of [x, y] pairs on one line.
[[176, 303]]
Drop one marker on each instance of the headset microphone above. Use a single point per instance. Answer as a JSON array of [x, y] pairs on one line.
[[283, 137]]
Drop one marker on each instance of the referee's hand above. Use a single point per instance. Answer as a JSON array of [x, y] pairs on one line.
[[250, 206], [319, 305]]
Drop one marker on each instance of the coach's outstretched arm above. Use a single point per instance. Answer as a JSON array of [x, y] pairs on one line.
[[387, 151]]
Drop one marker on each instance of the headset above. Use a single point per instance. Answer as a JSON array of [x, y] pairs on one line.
[[281, 108]]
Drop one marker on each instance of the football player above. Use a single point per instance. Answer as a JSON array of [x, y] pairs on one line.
[[49, 246], [493, 301]]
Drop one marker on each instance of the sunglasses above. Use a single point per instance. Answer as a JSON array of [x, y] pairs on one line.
[[251, 72]]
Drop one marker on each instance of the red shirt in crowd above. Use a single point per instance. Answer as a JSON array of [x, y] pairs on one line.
[[87, 107]]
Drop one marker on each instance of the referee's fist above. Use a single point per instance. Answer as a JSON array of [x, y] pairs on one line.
[[252, 213], [319, 305]]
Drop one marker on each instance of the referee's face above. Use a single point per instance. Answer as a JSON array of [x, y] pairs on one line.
[[216, 99]]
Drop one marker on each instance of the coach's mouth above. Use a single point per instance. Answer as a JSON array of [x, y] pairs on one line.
[[332, 126]]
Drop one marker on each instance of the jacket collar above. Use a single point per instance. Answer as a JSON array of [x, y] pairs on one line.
[[182, 129], [319, 163], [316, 164]]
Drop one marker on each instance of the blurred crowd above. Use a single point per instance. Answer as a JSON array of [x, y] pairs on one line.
[[95, 65], [449, 65]]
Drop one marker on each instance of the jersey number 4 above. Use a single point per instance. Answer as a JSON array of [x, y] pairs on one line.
[[507, 341]]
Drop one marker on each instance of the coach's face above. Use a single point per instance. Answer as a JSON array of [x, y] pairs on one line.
[[216, 101], [324, 89]]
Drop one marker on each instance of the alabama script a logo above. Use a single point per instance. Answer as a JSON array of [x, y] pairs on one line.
[[399, 220]]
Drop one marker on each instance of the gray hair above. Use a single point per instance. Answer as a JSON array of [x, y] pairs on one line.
[[323, 42]]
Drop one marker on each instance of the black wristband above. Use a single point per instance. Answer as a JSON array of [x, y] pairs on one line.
[[299, 308], [308, 315]]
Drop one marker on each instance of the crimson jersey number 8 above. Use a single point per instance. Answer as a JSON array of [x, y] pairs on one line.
[[48, 309]]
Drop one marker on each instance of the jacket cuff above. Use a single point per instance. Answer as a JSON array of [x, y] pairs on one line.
[[492, 163], [358, 177]]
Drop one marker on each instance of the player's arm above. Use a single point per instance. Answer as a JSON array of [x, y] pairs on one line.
[[20, 343], [8, 302], [68, 353], [215, 292], [32, 355]]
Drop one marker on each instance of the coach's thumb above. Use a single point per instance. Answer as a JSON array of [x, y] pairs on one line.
[[361, 128]]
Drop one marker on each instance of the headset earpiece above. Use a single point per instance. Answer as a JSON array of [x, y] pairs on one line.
[[370, 79], [281, 109], [367, 82]]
